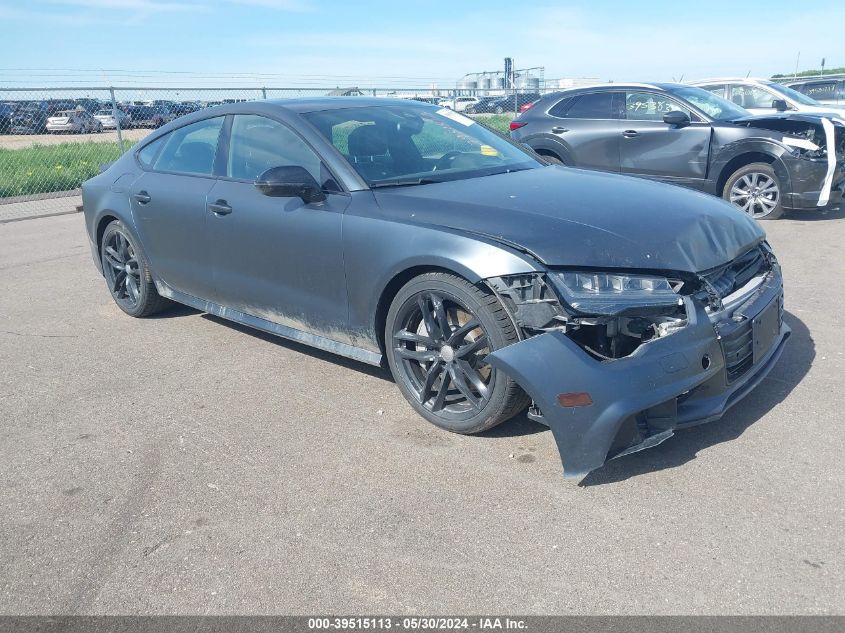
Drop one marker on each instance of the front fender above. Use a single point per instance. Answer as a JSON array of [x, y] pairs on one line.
[[774, 149]]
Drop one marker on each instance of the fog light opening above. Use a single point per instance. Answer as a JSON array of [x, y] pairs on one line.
[[705, 361]]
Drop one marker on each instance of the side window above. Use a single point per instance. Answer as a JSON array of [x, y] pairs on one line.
[[559, 109], [191, 149], [258, 143], [149, 152], [717, 89], [819, 90], [650, 106], [596, 105], [752, 97]]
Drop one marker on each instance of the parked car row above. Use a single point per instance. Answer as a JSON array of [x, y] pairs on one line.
[[33, 117], [689, 136]]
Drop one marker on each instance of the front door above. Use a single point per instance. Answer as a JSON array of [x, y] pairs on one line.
[[278, 259], [650, 147]]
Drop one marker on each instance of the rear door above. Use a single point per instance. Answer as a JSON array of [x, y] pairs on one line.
[[590, 126], [650, 147], [169, 205]]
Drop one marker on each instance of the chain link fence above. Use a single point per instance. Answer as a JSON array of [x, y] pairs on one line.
[[53, 139]]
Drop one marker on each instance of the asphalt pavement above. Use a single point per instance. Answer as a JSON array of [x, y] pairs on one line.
[[186, 465]]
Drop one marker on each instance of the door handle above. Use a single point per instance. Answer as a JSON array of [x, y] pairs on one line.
[[559, 130], [630, 133], [221, 207], [142, 197]]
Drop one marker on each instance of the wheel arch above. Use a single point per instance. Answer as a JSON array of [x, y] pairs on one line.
[[737, 157], [105, 219], [545, 146], [395, 284]]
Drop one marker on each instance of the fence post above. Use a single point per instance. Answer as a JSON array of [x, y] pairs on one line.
[[264, 93], [116, 119]]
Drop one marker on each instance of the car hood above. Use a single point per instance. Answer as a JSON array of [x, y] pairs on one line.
[[572, 217]]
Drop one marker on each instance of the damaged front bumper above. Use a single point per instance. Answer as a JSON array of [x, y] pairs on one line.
[[691, 377]]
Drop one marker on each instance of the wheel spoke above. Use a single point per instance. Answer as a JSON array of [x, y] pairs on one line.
[[440, 317], [113, 257], [474, 378], [132, 287], [461, 383], [478, 344], [431, 375], [428, 318], [421, 356], [440, 398], [413, 337], [119, 280], [459, 334]]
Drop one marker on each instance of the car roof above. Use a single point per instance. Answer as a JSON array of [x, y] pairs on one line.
[[311, 104], [814, 78], [738, 80]]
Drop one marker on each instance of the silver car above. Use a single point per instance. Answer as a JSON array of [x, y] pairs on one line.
[[75, 121], [110, 118]]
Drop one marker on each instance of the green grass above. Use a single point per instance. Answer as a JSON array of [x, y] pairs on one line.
[[47, 168], [499, 122]]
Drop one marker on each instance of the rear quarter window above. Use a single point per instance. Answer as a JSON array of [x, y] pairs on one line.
[[148, 153], [559, 109]]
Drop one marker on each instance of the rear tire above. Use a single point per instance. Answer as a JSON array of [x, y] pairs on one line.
[[755, 190], [551, 158], [443, 375], [127, 273]]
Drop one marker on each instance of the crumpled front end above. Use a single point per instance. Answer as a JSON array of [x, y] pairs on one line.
[[816, 158], [604, 395]]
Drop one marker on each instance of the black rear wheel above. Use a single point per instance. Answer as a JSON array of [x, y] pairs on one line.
[[128, 274], [439, 330]]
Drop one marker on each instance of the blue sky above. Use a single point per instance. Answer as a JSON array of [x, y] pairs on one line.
[[296, 42]]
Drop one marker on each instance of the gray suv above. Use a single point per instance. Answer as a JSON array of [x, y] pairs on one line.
[[687, 136]]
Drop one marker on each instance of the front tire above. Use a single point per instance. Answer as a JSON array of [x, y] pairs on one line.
[[438, 331], [755, 189], [127, 273]]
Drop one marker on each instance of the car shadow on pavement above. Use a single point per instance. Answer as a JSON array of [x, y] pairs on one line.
[[685, 445], [174, 311], [335, 359]]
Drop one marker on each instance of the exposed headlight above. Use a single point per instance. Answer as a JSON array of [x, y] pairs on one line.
[[608, 293]]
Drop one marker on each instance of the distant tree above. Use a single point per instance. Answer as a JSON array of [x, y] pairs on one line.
[[811, 73]]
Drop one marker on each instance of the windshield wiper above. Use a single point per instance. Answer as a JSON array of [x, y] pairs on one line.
[[407, 182]]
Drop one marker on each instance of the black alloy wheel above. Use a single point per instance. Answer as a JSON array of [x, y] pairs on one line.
[[440, 329]]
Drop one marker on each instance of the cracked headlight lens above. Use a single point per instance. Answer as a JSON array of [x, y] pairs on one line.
[[610, 293]]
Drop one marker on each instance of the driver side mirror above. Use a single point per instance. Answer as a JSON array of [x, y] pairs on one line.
[[676, 118], [290, 181], [780, 105]]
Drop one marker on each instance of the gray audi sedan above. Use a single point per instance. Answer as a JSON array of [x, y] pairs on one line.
[[613, 309]]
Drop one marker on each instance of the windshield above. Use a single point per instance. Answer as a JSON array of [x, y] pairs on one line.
[[793, 94], [715, 107], [401, 145]]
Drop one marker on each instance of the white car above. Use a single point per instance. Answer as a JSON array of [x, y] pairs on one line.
[[78, 121], [108, 121], [762, 96], [458, 104]]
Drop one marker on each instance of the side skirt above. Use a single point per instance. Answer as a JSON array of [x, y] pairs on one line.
[[284, 331]]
